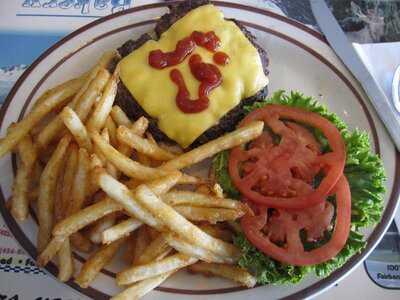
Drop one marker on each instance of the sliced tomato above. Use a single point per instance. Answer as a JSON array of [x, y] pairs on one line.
[[287, 231], [281, 175], [314, 220]]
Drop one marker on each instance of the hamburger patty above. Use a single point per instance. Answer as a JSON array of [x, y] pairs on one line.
[[228, 122]]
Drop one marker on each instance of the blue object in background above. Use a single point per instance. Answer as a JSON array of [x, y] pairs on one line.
[[17, 51], [23, 48]]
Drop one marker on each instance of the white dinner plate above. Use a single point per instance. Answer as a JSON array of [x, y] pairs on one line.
[[300, 59]]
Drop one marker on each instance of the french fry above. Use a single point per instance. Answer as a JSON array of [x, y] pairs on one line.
[[103, 107], [120, 193], [78, 193], [86, 216], [21, 129], [78, 196], [52, 130], [96, 262], [57, 242], [125, 135], [141, 288], [22, 182], [176, 223], [69, 173], [74, 223], [66, 266], [48, 182], [168, 264], [76, 127], [27, 151], [73, 84], [196, 199], [44, 122], [123, 228], [95, 161], [239, 136], [105, 134], [140, 126], [217, 190], [111, 169], [63, 270], [142, 240], [102, 63], [107, 57], [125, 164], [124, 196], [112, 130], [187, 179], [233, 273], [92, 186], [119, 116], [82, 104], [163, 185], [65, 261], [190, 249], [97, 151], [96, 231], [56, 125], [208, 214], [156, 250], [51, 249], [159, 186]]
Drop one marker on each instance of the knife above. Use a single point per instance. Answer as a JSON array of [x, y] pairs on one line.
[[343, 48]]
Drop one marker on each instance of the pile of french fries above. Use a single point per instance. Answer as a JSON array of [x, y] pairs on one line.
[[100, 183]]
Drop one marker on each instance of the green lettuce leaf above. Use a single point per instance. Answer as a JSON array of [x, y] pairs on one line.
[[220, 167], [264, 268], [364, 171]]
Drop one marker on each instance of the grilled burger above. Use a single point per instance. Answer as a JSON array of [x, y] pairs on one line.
[[148, 91]]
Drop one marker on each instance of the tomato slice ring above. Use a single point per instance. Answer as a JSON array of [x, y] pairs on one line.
[[294, 252], [333, 161]]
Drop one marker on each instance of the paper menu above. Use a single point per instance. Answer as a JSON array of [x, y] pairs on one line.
[[57, 16]]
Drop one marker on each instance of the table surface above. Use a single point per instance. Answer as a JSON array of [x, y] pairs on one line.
[[365, 21]]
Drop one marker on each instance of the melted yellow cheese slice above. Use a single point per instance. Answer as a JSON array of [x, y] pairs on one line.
[[156, 93]]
